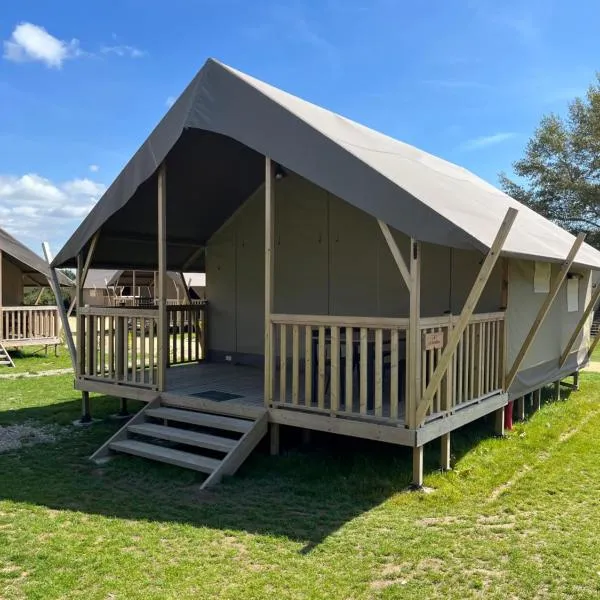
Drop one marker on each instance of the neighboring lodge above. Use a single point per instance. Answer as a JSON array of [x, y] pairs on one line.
[[355, 285], [20, 325]]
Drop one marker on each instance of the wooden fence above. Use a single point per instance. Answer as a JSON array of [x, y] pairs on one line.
[[476, 369], [29, 324], [358, 365], [120, 345]]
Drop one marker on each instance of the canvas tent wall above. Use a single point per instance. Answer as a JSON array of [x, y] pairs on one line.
[[212, 144], [330, 259]]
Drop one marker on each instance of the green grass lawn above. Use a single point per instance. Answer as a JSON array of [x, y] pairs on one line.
[[33, 359], [517, 517], [596, 354]]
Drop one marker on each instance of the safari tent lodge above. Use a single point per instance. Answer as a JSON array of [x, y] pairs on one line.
[[355, 285], [20, 324]]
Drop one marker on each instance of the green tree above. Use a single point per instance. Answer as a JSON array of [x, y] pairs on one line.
[[560, 172]]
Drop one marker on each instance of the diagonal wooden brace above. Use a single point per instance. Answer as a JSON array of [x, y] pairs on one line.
[[544, 310], [465, 315], [584, 317], [399, 260]]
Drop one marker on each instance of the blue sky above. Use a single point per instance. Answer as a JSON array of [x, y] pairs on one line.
[[83, 83]]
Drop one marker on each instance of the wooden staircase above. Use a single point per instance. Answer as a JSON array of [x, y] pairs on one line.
[[5, 359], [208, 442]]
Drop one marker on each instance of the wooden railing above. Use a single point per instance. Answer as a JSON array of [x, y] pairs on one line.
[[120, 344], [186, 332], [356, 366], [350, 366], [29, 324], [476, 369]]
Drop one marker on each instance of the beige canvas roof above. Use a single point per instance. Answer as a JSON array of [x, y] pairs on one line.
[[225, 117]]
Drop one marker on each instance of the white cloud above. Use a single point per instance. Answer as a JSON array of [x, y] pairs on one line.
[[487, 140], [30, 42], [170, 101], [94, 168], [34, 208], [124, 50]]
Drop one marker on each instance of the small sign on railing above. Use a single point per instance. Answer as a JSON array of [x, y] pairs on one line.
[[433, 340]]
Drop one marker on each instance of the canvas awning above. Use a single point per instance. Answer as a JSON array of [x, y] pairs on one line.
[[34, 267], [213, 141]]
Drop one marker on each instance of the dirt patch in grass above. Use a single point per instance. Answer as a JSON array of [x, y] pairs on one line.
[[14, 437]]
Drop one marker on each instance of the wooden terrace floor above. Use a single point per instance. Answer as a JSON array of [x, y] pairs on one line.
[[208, 379]]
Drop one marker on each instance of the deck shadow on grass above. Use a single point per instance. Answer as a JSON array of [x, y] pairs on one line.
[[305, 494]]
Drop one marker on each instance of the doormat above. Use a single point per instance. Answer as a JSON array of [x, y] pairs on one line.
[[216, 395]]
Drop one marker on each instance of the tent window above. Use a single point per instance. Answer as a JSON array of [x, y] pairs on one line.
[[541, 279], [573, 294]]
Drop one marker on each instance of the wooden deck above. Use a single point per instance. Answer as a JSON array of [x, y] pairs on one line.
[[208, 380], [246, 382]]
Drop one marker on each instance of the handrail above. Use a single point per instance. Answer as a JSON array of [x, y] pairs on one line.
[[114, 311], [330, 320], [31, 308]]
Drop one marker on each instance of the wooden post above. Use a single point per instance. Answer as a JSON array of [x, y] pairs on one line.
[[417, 477], [163, 333], [274, 438], [123, 412], [544, 309], [521, 408], [269, 290], [499, 422], [413, 354], [55, 285], [80, 320], [466, 313], [445, 452], [580, 324]]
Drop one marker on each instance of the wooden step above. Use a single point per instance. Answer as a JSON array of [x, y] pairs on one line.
[[166, 455], [201, 419], [183, 436]]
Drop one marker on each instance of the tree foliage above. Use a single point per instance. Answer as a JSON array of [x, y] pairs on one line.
[[560, 172]]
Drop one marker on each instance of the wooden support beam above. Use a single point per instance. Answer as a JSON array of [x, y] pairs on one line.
[[584, 317], [417, 476], [269, 290], [499, 422], [88, 258], [413, 355], [445, 452], [39, 296], [163, 333], [469, 307], [593, 345], [274, 438], [521, 408], [544, 309], [399, 260], [186, 289], [55, 285]]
